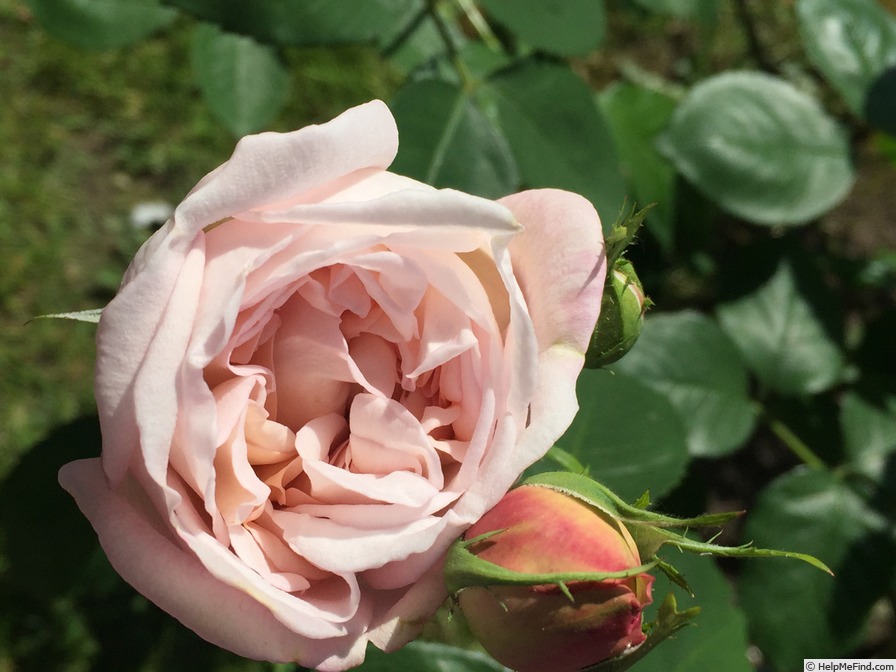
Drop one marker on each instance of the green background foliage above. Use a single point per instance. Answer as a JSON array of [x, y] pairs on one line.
[[765, 378]]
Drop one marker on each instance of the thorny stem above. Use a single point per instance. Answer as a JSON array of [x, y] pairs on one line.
[[459, 65], [796, 445], [757, 51]]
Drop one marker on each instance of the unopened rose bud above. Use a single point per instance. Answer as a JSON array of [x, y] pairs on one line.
[[621, 316], [552, 626]]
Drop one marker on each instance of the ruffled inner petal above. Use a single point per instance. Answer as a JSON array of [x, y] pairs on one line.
[[357, 396]]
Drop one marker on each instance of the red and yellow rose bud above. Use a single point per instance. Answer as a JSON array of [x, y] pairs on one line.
[[555, 626]]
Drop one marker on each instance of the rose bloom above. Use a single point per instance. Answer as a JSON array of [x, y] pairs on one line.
[[316, 376]]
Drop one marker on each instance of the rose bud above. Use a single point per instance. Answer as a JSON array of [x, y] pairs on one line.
[[621, 316], [559, 626]]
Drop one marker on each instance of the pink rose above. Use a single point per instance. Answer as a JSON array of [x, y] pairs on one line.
[[316, 376]]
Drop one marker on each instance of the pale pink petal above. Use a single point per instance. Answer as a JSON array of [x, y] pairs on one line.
[[174, 580], [405, 619], [442, 218], [377, 361], [386, 438], [560, 264], [145, 321], [311, 365], [344, 549], [271, 168]]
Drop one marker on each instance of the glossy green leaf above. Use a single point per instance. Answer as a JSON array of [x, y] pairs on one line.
[[422, 656], [760, 148], [688, 359], [781, 333], [796, 612], [244, 82], [567, 27], [305, 22], [629, 436], [101, 24], [557, 134], [682, 8], [880, 101], [414, 45], [447, 141], [636, 116], [869, 432], [851, 41], [718, 640]]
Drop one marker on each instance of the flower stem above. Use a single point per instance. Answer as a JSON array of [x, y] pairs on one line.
[[757, 50], [796, 445], [462, 70]]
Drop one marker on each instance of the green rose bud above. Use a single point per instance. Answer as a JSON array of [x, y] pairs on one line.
[[622, 311], [565, 625]]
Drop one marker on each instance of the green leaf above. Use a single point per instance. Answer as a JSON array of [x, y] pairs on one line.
[[760, 148], [869, 433], [567, 27], [416, 44], [688, 359], [636, 116], [628, 435], [780, 332], [447, 141], [718, 640], [557, 133], [101, 24], [422, 656], [880, 102], [245, 83], [681, 8], [305, 22], [851, 41], [796, 612]]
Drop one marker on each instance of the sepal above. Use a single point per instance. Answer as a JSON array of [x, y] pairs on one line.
[[464, 569], [92, 315]]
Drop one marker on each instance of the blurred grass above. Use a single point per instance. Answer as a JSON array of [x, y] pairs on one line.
[[84, 137]]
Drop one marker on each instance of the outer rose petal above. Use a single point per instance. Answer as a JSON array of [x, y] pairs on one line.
[[560, 263], [142, 555]]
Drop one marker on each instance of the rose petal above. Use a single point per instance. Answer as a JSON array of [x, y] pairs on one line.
[[271, 168], [174, 580], [560, 264]]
